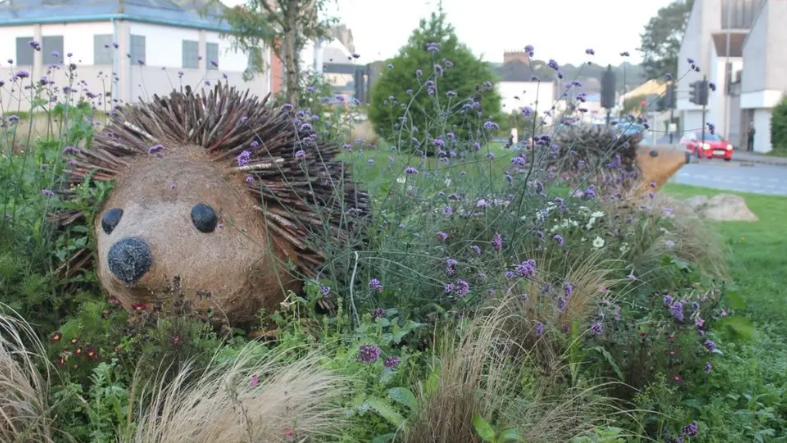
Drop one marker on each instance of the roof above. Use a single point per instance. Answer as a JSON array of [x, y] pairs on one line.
[[200, 14]]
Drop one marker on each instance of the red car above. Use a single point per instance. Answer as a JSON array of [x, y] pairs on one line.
[[714, 146]]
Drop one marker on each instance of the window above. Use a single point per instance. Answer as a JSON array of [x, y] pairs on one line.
[[213, 56], [103, 53], [24, 53], [52, 44], [190, 54], [137, 48]]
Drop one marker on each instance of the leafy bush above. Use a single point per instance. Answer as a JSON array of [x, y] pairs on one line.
[[779, 127], [422, 94]]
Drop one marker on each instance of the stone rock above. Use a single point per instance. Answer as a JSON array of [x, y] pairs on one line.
[[696, 201], [726, 207]]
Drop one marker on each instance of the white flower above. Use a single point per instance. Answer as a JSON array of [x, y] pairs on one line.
[[598, 242], [624, 248], [589, 226], [597, 214], [401, 180], [448, 183]]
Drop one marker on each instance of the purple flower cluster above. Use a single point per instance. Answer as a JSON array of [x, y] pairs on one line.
[[450, 266], [527, 268], [375, 284], [497, 242], [243, 158], [677, 311], [368, 354], [391, 362]]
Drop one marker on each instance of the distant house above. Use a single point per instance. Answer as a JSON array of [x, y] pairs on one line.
[[750, 73], [122, 49], [517, 90]]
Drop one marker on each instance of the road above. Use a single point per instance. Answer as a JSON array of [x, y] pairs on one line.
[[734, 176]]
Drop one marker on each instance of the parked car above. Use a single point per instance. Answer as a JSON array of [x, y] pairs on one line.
[[714, 146]]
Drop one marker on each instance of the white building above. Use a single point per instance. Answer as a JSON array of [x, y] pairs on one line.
[[151, 46], [763, 82], [738, 47], [517, 90]]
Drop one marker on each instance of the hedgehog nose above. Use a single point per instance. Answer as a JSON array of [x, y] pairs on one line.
[[129, 259]]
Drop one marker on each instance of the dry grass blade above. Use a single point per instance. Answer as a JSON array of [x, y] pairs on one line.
[[483, 371], [292, 400], [23, 389]]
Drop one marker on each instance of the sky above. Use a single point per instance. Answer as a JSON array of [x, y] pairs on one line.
[[558, 29]]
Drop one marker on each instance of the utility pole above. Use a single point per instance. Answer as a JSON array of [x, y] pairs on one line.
[[727, 75], [672, 99], [704, 104]]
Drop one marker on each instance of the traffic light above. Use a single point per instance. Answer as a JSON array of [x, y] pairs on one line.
[[699, 93], [703, 93], [671, 99], [608, 89], [694, 92]]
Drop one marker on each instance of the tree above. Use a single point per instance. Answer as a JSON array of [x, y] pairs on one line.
[[285, 26], [779, 127], [662, 38], [435, 85]]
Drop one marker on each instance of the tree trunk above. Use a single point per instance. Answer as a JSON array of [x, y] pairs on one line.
[[292, 58]]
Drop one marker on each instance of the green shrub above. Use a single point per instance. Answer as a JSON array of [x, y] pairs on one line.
[[427, 93], [779, 127]]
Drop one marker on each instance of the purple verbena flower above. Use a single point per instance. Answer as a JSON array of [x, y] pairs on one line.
[[677, 311], [376, 285], [243, 158], [368, 354], [527, 268], [497, 242], [391, 362]]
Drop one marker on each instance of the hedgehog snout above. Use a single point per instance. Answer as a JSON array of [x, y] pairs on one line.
[[129, 259]]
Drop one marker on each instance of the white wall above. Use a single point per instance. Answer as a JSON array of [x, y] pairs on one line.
[[230, 60], [163, 61], [8, 35], [78, 38], [691, 120], [762, 126], [163, 44], [528, 93]]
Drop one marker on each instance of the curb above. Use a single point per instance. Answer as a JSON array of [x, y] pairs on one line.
[[751, 162]]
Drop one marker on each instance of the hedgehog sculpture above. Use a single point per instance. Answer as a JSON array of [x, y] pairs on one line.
[[216, 198]]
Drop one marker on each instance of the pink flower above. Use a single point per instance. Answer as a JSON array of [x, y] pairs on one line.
[[255, 380]]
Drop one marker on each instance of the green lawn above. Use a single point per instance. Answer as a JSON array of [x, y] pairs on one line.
[[757, 253]]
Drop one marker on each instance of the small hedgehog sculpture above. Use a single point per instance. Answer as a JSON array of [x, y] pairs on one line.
[[216, 199]]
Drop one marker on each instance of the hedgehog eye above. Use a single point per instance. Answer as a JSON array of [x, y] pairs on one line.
[[204, 218], [654, 153], [111, 219]]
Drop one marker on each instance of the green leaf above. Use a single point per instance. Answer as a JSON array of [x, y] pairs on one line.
[[386, 410], [431, 384], [385, 438], [405, 397], [510, 435], [735, 300], [736, 328], [484, 429]]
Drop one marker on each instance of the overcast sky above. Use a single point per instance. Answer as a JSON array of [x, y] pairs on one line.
[[559, 29]]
